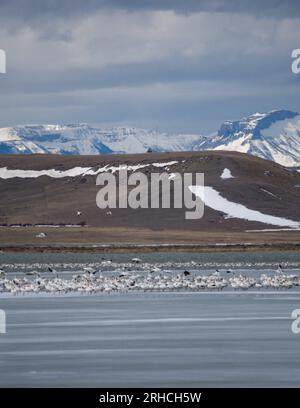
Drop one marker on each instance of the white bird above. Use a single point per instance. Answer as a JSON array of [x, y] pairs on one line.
[[155, 269], [279, 269], [41, 235], [32, 273], [90, 270], [53, 271]]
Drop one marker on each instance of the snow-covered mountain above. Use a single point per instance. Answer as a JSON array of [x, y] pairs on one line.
[[85, 139], [274, 136]]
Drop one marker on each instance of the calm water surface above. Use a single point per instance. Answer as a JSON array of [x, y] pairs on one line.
[[152, 339]]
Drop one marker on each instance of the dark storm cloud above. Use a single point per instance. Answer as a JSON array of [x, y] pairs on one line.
[[33, 9]]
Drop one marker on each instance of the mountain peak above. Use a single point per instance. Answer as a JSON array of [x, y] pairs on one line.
[[273, 135], [253, 124]]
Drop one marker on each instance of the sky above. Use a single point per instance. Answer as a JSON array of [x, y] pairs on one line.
[[175, 66]]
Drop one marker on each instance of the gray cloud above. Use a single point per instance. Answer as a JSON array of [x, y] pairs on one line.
[[30, 9], [178, 65]]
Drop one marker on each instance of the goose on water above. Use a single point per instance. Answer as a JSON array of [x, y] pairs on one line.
[[90, 270], [123, 280], [136, 260], [32, 273]]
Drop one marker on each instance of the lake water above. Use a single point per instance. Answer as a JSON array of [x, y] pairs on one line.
[[254, 260], [148, 339]]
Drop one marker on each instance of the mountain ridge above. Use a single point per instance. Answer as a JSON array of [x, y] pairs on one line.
[[274, 135]]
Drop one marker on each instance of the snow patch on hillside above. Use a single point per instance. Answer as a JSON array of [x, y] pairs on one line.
[[226, 174], [214, 200], [6, 173]]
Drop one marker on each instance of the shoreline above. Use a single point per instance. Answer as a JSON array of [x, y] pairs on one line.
[[152, 248], [142, 240]]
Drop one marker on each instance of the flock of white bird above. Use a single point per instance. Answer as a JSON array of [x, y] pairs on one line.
[[91, 280]]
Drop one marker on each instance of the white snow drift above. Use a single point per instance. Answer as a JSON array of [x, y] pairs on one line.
[[214, 200], [226, 174], [6, 173]]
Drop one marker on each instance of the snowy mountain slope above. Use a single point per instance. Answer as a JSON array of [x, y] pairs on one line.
[[274, 136], [131, 140], [84, 139], [12, 142]]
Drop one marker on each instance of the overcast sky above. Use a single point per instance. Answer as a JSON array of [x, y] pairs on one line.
[[176, 66]]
